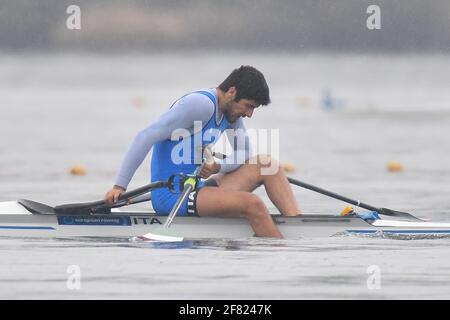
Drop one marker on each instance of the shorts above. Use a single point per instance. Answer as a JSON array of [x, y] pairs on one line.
[[163, 199]]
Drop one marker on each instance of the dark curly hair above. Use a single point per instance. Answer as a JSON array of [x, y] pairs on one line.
[[249, 83]]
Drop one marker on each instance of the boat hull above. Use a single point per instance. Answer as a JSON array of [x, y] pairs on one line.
[[17, 221]]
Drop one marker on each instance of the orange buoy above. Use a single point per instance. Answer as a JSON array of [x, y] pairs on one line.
[[303, 101], [287, 167], [138, 102], [78, 170], [394, 166]]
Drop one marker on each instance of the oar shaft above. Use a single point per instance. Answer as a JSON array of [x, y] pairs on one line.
[[87, 207], [143, 189], [384, 211], [177, 205], [188, 187], [332, 194]]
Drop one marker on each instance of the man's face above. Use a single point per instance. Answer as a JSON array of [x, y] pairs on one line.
[[243, 108]]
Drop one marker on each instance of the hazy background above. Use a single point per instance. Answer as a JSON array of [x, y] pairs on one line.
[[161, 25]]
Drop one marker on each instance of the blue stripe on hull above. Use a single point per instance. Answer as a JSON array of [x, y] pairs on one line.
[[26, 228]]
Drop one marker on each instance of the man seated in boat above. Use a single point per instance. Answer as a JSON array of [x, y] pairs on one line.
[[227, 190]]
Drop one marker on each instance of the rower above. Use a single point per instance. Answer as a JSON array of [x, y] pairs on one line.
[[227, 190]]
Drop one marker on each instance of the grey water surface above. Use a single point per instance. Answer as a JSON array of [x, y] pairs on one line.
[[341, 120]]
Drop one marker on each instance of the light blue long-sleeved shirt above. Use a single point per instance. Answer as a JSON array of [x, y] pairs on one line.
[[191, 107]]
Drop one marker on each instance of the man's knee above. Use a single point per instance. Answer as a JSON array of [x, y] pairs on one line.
[[253, 206]]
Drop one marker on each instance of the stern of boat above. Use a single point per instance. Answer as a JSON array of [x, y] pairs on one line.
[[12, 207]]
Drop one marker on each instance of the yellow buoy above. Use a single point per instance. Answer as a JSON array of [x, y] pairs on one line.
[[348, 210], [78, 170], [394, 166], [287, 167]]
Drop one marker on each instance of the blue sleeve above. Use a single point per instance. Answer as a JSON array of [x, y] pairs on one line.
[[190, 108], [240, 142]]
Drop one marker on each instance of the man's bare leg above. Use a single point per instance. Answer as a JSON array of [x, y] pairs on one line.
[[216, 201], [249, 176]]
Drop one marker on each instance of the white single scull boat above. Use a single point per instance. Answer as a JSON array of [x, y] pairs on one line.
[[25, 218]]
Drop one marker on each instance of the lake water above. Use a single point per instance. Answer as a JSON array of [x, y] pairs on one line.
[[341, 119]]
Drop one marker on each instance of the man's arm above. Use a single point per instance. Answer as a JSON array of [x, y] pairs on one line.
[[240, 142], [193, 107]]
